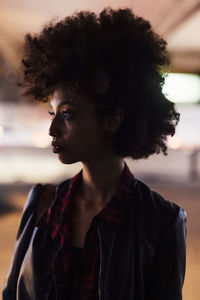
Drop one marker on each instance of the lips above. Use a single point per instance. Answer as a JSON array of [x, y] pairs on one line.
[[56, 147]]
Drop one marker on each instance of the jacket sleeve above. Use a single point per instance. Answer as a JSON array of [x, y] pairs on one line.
[[22, 241], [168, 268]]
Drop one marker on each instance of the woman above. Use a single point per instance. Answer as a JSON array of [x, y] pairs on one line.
[[105, 234]]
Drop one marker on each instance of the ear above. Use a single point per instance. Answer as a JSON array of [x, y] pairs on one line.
[[113, 121]]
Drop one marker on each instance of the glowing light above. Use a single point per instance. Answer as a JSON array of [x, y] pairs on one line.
[[174, 142], [1, 132], [41, 139], [181, 88]]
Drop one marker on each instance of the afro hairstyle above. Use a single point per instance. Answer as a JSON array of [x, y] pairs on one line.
[[113, 58]]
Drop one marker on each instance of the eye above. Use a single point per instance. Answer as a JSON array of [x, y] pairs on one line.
[[67, 114], [52, 114]]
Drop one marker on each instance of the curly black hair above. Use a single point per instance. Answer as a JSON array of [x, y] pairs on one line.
[[116, 60]]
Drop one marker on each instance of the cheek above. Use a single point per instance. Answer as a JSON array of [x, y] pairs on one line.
[[85, 135]]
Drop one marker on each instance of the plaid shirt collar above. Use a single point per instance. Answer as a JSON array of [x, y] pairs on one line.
[[111, 212], [114, 212]]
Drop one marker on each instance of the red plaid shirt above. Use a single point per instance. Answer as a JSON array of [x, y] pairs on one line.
[[58, 221]]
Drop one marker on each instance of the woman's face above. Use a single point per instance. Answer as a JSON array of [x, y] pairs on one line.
[[77, 133]]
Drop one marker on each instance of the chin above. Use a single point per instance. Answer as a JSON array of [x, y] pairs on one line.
[[67, 160]]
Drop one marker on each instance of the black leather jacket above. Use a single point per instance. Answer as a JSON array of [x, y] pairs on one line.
[[144, 261]]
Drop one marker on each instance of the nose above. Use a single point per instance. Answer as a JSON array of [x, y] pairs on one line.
[[54, 129]]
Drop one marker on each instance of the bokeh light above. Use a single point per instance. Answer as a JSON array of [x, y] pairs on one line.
[[174, 142], [182, 88]]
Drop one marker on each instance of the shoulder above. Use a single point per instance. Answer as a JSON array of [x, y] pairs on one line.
[[156, 211], [38, 189], [48, 193], [33, 196]]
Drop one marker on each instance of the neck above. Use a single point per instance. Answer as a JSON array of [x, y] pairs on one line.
[[100, 180]]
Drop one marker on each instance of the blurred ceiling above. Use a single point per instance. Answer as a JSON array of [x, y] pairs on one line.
[[178, 21]]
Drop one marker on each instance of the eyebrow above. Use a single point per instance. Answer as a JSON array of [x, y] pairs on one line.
[[66, 102]]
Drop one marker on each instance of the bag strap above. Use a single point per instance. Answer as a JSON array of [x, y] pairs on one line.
[[46, 198]]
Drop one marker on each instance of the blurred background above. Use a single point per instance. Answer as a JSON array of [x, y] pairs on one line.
[[25, 153]]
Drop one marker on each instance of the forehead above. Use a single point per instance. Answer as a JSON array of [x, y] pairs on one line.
[[67, 96]]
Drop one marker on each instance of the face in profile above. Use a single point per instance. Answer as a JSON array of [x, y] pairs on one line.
[[78, 134]]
